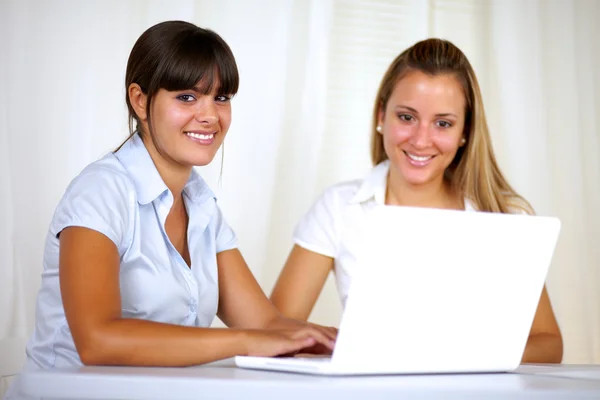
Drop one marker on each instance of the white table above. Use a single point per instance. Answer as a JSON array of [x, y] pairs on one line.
[[224, 381]]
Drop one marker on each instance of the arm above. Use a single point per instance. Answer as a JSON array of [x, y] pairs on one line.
[[545, 341], [243, 303], [89, 281], [301, 282]]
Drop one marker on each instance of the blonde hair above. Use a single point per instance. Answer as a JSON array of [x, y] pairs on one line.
[[474, 173]]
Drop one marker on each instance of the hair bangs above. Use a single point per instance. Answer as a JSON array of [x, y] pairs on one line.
[[201, 61]]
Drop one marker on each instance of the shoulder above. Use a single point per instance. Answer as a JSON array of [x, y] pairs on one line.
[[333, 202], [106, 177], [328, 209], [102, 197], [342, 193], [320, 229]]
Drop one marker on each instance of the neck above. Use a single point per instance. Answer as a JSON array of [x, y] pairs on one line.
[[435, 194], [174, 175]]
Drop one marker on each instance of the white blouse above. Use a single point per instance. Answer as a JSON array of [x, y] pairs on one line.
[[123, 197], [332, 226]]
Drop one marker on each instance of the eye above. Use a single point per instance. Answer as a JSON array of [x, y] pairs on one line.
[[405, 117], [186, 98], [444, 124], [222, 98]]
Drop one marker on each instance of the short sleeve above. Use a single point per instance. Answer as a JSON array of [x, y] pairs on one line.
[[317, 231], [99, 199], [225, 237]]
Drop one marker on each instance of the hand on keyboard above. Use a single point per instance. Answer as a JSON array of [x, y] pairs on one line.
[[286, 336]]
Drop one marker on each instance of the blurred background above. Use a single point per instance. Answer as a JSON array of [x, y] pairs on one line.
[[309, 73]]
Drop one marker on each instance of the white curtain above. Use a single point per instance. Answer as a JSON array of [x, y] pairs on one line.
[[309, 73]]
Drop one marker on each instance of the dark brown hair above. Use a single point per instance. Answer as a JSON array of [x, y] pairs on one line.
[[178, 55]]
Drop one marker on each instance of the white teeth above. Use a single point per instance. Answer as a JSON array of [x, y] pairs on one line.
[[201, 136], [418, 158]]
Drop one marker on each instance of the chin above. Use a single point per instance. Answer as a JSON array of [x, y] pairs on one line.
[[198, 160], [201, 163], [417, 182], [416, 179]]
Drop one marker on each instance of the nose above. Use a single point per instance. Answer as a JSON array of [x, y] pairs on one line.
[[421, 138], [206, 111]]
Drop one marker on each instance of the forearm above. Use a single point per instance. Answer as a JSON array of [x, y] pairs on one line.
[[136, 342], [280, 321], [543, 348]]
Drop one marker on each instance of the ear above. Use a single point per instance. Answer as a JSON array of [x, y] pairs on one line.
[[380, 116], [138, 99]]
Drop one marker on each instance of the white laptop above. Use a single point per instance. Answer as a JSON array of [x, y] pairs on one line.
[[437, 291]]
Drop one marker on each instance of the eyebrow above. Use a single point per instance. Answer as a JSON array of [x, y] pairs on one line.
[[201, 89], [416, 112]]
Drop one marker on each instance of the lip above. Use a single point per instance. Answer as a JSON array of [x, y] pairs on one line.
[[418, 163], [201, 140]]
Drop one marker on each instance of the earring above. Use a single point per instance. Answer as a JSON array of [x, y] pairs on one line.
[[379, 129], [463, 141]]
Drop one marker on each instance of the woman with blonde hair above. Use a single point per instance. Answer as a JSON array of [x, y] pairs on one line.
[[431, 147]]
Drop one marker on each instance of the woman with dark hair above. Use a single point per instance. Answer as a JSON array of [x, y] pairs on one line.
[[139, 259]]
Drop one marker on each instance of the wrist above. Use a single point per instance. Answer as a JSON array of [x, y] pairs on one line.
[[273, 321], [242, 340], [282, 322], [278, 322]]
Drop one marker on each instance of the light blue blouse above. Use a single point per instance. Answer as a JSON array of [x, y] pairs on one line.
[[123, 197]]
